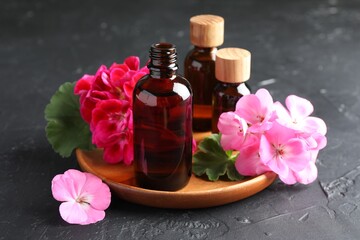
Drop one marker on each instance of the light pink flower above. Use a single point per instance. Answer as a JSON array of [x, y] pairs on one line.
[[257, 110], [84, 197], [283, 152]]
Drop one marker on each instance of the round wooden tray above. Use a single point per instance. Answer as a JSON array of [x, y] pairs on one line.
[[198, 193]]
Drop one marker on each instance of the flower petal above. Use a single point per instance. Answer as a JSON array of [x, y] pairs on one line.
[[248, 162], [230, 123], [132, 62], [80, 213], [296, 155], [249, 108], [68, 186], [73, 212], [308, 174], [99, 192], [299, 108], [83, 84], [314, 124]]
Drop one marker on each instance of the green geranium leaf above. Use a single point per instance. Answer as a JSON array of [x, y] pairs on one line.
[[66, 130], [212, 160]]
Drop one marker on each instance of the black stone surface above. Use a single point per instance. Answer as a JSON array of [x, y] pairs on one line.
[[309, 48]]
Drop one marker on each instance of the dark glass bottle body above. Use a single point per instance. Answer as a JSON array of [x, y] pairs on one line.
[[162, 115], [225, 97], [200, 72]]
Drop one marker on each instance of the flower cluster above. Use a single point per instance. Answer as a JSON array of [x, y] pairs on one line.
[[270, 137], [106, 104]]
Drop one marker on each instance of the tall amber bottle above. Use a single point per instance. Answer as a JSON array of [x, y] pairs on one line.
[[232, 70], [206, 34], [162, 115]]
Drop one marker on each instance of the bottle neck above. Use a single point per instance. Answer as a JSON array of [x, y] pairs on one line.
[[205, 49], [162, 62]]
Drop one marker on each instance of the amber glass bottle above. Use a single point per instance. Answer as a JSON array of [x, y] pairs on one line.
[[232, 69], [162, 114], [206, 34]]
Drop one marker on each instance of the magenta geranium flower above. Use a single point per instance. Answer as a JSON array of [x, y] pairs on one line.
[[84, 197], [105, 103], [112, 129]]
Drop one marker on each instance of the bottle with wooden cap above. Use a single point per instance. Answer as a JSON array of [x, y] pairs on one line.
[[232, 70], [206, 34]]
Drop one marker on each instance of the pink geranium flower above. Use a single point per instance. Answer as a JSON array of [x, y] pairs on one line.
[[84, 197], [297, 116], [283, 152], [257, 110], [233, 129], [270, 137]]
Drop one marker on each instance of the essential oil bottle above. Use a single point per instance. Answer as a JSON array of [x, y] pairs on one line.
[[232, 70], [206, 34], [162, 115]]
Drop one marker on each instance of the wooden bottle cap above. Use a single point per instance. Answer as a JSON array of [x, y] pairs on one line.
[[232, 65], [207, 30]]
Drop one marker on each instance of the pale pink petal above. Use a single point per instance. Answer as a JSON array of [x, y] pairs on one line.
[[279, 134], [279, 166], [314, 124], [80, 213], [73, 212], [307, 175], [266, 150], [264, 96], [299, 108], [94, 216], [248, 162], [99, 192], [289, 179], [283, 116], [60, 190], [75, 181], [249, 108], [296, 154], [231, 142]]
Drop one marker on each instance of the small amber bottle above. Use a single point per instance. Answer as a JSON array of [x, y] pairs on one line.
[[162, 115], [206, 34], [232, 70]]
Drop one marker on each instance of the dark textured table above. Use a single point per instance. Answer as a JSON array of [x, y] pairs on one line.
[[308, 48]]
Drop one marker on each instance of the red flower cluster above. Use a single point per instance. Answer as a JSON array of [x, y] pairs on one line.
[[106, 104]]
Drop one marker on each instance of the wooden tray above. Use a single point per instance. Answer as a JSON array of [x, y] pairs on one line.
[[199, 193]]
